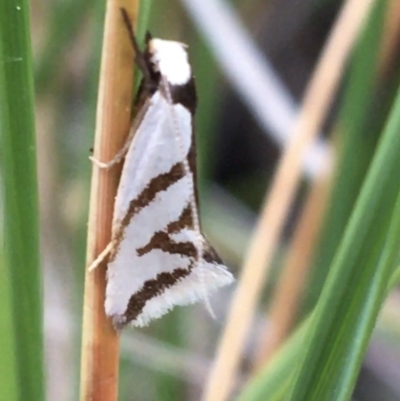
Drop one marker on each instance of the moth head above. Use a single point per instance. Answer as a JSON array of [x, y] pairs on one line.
[[170, 59]]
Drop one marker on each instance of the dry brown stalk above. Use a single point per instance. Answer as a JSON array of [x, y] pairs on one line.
[[316, 102], [100, 342]]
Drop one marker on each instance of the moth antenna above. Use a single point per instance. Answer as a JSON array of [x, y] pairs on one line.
[[139, 55]]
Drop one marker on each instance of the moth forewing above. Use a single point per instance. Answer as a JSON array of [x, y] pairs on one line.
[[158, 257]]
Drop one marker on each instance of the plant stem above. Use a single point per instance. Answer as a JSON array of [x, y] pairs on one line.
[[100, 342]]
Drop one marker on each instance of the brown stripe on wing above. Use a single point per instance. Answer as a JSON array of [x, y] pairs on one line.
[[152, 288], [184, 220], [210, 255], [157, 184], [161, 240]]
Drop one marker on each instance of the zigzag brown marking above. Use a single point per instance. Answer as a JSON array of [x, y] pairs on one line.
[[157, 184], [162, 240], [184, 220], [152, 288]]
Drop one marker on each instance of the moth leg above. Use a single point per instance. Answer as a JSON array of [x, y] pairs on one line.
[[101, 257], [117, 158]]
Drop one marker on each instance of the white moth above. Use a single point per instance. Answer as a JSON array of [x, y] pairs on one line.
[[158, 256]]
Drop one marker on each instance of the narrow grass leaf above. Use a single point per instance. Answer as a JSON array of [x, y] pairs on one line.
[[143, 20], [352, 295], [8, 363], [357, 143], [18, 164]]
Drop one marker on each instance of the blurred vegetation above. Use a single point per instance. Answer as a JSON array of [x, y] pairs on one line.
[[353, 262]]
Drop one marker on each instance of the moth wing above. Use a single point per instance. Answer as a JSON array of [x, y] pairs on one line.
[[153, 265], [150, 153], [138, 260], [203, 280], [154, 282]]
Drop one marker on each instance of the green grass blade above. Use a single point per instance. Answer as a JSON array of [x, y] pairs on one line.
[[357, 282], [8, 376], [395, 280], [143, 20], [356, 139], [18, 164], [275, 379]]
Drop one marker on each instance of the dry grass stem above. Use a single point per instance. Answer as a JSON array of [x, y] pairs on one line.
[[298, 262], [316, 103], [100, 342]]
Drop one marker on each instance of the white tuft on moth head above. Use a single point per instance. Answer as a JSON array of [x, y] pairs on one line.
[[171, 60]]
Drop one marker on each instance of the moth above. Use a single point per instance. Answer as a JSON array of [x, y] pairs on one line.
[[158, 256]]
